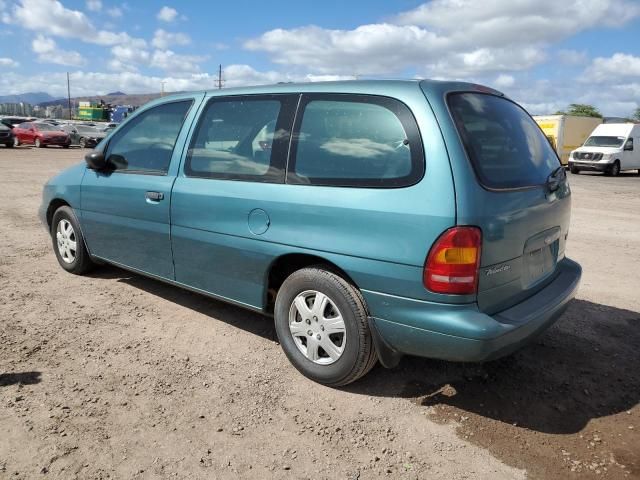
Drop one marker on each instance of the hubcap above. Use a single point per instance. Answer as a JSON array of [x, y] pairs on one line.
[[317, 327], [66, 241]]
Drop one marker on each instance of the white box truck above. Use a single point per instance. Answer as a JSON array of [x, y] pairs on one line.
[[566, 132], [611, 148]]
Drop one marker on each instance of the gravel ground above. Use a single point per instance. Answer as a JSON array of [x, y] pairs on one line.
[[119, 376]]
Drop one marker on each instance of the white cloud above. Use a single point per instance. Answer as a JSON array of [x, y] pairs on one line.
[[126, 58], [455, 38], [170, 61], [8, 62], [618, 67], [63, 22], [48, 52], [163, 39], [504, 81], [114, 12], [572, 57], [167, 14], [94, 5]]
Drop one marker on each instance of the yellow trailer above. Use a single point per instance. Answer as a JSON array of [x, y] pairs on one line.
[[566, 132]]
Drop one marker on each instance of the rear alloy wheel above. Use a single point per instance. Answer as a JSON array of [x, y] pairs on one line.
[[68, 242], [322, 324], [16, 142], [38, 143]]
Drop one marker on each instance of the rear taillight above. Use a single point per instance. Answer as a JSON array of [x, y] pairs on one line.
[[452, 264]]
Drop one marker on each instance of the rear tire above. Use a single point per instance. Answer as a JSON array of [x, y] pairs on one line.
[[16, 142], [38, 143], [83, 143], [68, 242], [350, 352]]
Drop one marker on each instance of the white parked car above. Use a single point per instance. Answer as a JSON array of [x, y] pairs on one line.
[[611, 148]]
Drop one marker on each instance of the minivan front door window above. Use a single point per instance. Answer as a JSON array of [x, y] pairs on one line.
[[145, 144]]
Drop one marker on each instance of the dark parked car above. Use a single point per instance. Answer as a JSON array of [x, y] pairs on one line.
[[40, 134], [6, 136], [86, 137], [15, 121]]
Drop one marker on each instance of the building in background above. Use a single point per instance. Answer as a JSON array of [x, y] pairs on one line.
[[20, 109]]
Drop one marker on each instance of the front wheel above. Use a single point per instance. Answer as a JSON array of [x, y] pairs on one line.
[[574, 170], [322, 325], [9, 145], [68, 242], [614, 170]]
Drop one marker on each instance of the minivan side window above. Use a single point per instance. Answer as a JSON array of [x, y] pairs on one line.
[[242, 138], [145, 144], [355, 141]]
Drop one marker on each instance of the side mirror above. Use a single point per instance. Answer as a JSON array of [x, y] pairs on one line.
[[628, 147], [95, 160]]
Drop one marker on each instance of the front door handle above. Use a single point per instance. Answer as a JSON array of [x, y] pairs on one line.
[[154, 196]]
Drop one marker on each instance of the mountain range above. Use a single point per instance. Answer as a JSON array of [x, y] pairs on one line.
[[33, 98]]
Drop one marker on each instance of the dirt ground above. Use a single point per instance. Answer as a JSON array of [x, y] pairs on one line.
[[119, 376]]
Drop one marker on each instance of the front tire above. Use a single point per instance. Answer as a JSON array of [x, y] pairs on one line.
[[574, 170], [614, 170], [322, 325], [68, 242], [9, 145]]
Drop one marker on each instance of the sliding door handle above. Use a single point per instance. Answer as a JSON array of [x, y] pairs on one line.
[[154, 196]]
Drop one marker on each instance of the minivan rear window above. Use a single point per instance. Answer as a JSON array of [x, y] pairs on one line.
[[505, 145]]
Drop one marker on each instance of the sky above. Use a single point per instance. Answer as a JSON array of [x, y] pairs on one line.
[[545, 54]]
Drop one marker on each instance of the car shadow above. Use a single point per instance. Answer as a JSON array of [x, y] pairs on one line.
[[22, 378], [252, 322], [584, 367]]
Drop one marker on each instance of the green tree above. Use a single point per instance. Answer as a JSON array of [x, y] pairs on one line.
[[583, 110], [636, 115]]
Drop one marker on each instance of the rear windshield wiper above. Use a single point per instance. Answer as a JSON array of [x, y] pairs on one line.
[[555, 179]]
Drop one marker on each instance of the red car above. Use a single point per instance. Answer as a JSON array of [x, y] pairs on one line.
[[41, 135]]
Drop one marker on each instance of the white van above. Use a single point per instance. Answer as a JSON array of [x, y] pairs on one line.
[[611, 148]]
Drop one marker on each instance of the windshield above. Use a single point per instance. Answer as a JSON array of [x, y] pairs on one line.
[[505, 146], [87, 130], [45, 127], [604, 142]]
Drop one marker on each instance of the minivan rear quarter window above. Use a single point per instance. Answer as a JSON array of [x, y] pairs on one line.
[[505, 145], [355, 141]]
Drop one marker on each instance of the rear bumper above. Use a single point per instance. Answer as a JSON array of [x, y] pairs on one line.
[[462, 332], [595, 167]]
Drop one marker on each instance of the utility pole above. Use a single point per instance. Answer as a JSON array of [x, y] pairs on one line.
[[220, 81], [69, 95], [162, 88]]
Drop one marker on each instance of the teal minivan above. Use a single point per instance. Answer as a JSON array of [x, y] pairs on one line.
[[371, 219]]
